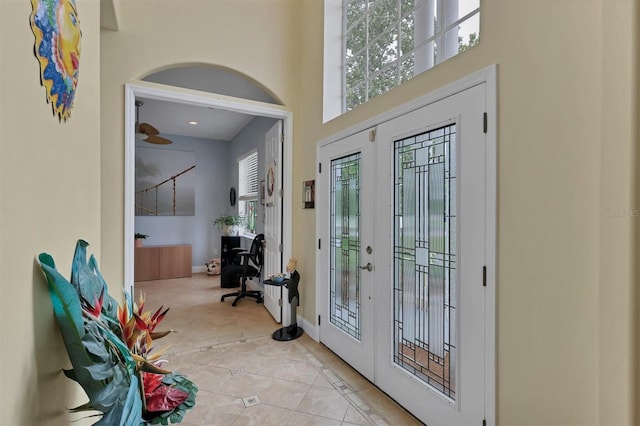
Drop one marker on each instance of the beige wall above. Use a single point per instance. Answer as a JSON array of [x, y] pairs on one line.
[[567, 153], [252, 37], [566, 143], [636, 225], [49, 197]]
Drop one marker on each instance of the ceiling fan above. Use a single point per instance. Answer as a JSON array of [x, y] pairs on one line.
[[148, 130]]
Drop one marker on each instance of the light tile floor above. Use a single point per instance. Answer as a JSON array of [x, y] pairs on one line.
[[247, 378]]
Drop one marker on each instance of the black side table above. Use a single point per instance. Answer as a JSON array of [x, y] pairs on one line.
[[292, 331]]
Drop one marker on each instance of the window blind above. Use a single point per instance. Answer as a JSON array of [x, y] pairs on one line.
[[248, 175]]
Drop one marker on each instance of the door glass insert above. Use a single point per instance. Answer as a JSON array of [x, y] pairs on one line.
[[425, 257], [344, 287]]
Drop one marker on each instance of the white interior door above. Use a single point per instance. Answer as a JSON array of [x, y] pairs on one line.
[[273, 218], [345, 270], [424, 306]]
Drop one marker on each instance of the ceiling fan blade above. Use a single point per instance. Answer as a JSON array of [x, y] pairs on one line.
[[158, 140], [148, 129]]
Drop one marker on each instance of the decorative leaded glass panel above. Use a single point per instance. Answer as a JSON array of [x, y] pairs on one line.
[[344, 287], [425, 257]]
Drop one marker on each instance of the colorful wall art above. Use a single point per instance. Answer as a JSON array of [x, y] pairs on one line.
[[56, 27]]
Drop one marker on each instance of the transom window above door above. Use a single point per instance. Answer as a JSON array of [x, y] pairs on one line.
[[384, 43]]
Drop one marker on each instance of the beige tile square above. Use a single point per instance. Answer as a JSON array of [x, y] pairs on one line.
[[353, 416], [244, 385], [322, 382], [324, 402], [283, 393], [213, 409], [229, 353], [388, 408], [284, 368], [263, 415], [349, 375], [302, 419], [205, 377]]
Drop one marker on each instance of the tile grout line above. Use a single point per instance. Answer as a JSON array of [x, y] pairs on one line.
[[363, 408]]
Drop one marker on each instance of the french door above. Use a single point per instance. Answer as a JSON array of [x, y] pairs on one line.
[[409, 311], [346, 191]]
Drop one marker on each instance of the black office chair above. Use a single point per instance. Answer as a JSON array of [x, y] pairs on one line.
[[247, 264]]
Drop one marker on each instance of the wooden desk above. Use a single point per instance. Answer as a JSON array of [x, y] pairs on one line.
[[162, 262]]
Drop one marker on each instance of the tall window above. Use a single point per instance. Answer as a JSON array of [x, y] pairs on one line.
[[387, 42], [248, 189]]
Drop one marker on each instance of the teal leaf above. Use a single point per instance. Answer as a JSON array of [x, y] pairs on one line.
[[129, 302], [110, 305], [132, 411], [70, 374], [83, 278], [102, 363], [68, 313], [128, 410], [100, 371], [115, 341], [110, 397], [81, 408]]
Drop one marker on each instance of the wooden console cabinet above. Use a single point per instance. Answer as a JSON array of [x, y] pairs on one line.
[[162, 262]]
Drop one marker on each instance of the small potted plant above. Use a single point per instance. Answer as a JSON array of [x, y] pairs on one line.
[[229, 224], [139, 238]]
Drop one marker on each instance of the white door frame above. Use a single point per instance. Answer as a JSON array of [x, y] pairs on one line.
[[174, 94], [488, 76]]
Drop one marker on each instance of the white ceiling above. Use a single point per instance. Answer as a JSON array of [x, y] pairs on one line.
[[173, 118]]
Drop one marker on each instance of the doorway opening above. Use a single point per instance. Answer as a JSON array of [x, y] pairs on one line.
[[182, 96]]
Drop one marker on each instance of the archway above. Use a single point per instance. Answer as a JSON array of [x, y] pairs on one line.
[[218, 101]]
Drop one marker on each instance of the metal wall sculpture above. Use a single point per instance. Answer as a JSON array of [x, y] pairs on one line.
[[56, 27]]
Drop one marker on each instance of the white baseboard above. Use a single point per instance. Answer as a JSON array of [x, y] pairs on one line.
[[198, 269], [310, 329]]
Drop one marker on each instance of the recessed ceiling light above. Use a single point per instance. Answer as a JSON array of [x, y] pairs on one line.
[[193, 123]]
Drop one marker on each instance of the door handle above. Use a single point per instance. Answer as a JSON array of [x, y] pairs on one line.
[[368, 267]]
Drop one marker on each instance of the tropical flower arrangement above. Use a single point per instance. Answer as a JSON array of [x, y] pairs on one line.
[[111, 349]]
